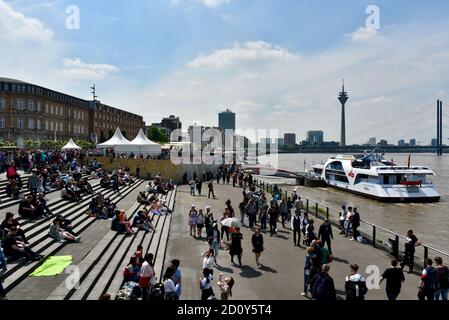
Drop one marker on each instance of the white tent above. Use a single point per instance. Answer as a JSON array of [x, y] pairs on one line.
[[71, 146], [118, 142], [143, 145]]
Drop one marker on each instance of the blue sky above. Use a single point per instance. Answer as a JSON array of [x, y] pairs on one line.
[[269, 60]]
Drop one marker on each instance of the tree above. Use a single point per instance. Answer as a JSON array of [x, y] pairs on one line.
[[110, 133], [157, 135], [102, 137]]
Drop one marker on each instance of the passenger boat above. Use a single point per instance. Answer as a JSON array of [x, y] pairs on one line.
[[370, 175]]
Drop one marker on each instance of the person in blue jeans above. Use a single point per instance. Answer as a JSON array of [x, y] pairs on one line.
[[442, 287], [3, 263], [307, 269]]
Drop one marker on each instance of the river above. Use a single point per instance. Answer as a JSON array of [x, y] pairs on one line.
[[429, 221]]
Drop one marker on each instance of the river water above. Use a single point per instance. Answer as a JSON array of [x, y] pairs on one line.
[[429, 221]]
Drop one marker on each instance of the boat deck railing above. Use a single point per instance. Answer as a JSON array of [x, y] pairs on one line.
[[373, 234]]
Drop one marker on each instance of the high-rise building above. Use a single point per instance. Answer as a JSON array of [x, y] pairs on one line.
[[383, 143], [343, 97], [266, 141], [412, 142], [372, 141], [171, 123], [315, 137], [434, 142], [401, 143], [226, 120], [290, 139]]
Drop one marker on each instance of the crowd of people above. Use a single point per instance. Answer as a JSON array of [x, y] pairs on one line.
[[264, 213]]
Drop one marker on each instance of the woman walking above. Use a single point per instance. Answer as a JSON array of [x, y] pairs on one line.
[[192, 221], [213, 238], [200, 221], [206, 285], [169, 286], [236, 246], [257, 241]]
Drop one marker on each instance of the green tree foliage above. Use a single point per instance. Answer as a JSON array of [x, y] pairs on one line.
[[102, 137], [157, 135]]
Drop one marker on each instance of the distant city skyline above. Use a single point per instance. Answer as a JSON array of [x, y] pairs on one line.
[[196, 58]]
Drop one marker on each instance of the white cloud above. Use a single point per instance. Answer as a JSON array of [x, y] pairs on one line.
[[227, 18], [213, 3], [246, 53], [364, 34], [77, 70], [207, 3], [16, 27]]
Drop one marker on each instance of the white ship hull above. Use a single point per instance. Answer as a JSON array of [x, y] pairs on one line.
[[377, 179]]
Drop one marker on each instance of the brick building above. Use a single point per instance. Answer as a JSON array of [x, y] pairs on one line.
[[29, 111]]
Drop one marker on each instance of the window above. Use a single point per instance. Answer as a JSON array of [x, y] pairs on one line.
[[38, 106], [52, 110], [38, 124], [2, 103], [2, 123], [46, 125], [61, 127], [20, 123], [52, 126], [20, 104], [31, 105], [30, 124], [62, 111], [46, 108]]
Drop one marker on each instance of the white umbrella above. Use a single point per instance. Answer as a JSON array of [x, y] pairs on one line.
[[231, 222]]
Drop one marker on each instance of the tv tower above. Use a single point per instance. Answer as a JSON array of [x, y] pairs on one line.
[[343, 97]]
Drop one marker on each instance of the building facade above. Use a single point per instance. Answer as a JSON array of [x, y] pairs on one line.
[[315, 137], [171, 123], [226, 120], [32, 112], [290, 139]]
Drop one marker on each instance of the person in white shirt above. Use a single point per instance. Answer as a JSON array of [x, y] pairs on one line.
[[208, 260], [146, 275], [206, 286], [342, 218], [348, 220], [169, 286]]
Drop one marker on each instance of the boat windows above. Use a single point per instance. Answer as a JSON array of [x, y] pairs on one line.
[[336, 165], [361, 178]]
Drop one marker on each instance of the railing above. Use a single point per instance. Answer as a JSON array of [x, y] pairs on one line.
[[375, 235]]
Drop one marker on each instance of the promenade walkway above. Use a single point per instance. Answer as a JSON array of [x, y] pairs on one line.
[[281, 276]]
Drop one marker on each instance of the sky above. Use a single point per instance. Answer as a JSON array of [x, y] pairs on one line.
[[278, 64]]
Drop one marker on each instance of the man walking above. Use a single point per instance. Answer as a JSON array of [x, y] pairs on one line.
[[355, 285], [394, 277], [273, 212], [442, 279], [322, 285], [296, 227], [325, 234], [428, 284], [210, 185]]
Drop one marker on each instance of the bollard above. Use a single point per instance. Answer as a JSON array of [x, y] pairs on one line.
[[374, 236], [307, 206], [316, 209], [426, 254], [327, 213]]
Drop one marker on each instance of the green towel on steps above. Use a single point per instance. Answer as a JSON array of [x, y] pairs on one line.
[[52, 266]]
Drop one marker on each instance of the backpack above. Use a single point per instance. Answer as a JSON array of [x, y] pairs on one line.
[[443, 277], [320, 287], [431, 279], [356, 289]]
